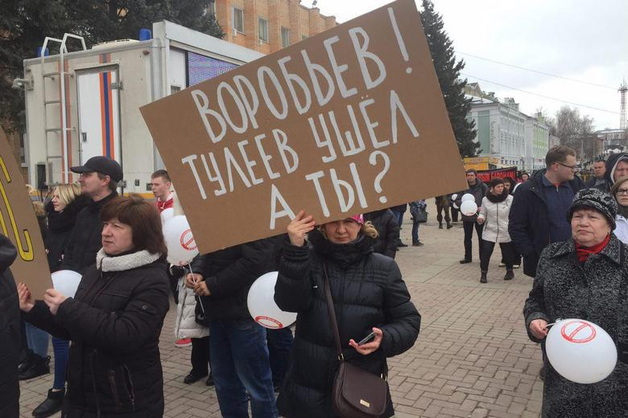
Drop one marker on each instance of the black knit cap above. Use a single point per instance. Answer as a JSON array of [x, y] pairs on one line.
[[594, 199]]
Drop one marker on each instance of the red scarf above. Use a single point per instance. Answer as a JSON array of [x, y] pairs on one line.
[[583, 253]]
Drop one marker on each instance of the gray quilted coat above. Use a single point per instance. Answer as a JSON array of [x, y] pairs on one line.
[[597, 291]]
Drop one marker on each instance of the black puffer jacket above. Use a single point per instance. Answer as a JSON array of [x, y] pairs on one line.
[[387, 226], [596, 291], [85, 240], [114, 324], [368, 292], [9, 333], [229, 274], [60, 225]]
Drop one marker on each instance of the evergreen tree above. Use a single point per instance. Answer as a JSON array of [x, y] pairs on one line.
[[25, 23], [452, 86]]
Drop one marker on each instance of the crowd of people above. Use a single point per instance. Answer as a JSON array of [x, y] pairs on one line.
[[570, 235], [106, 336]]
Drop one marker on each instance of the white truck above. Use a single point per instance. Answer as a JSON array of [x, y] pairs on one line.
[[86, 103]]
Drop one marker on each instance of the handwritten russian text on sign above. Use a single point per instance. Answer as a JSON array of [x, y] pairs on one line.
[[19, 223], [349, 121]]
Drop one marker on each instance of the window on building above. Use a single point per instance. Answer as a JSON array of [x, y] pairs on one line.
[[262, 29], [285, 37], [238, 20]]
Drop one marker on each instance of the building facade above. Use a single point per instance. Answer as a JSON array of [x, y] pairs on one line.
[[507, 134], [614, 140], [268, 25]]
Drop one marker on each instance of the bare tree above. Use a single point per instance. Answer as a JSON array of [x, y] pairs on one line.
[[575, 131]]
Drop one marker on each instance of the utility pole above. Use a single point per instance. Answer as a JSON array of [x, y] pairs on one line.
[[622, 112]]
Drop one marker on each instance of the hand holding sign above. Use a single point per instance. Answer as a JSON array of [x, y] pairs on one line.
[[299, 227], [581, 351]]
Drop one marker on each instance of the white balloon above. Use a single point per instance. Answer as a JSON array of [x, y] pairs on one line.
[[467, 197], [454, 197], [455, 206], [468, 208], [262, 306], [180, 241], [66, 282], [581, 351], [166, 215]]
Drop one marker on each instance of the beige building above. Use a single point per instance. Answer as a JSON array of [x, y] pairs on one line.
[[268, 25]]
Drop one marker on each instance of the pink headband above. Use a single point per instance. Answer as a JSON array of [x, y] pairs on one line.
[[358, 218]]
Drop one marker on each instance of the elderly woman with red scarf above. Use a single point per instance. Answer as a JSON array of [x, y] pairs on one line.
[[585, 277]]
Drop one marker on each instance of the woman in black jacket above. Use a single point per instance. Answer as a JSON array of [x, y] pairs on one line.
[[66, 203], [369, 296], [115, 319]]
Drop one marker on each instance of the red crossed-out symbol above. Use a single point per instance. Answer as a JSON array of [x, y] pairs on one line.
[[579, 332], [268, 322], [187, 240]]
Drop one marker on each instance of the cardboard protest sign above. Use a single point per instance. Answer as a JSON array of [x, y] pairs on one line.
[[19, 223], [348, 121]]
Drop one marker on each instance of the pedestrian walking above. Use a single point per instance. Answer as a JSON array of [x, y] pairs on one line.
[[478, 189], [494, 216], [442, 206], [369, 296], [419, 214], [399, 210], [115, 318], [586, 277]]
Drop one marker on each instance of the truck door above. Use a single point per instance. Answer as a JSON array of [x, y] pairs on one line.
[[99, 113]]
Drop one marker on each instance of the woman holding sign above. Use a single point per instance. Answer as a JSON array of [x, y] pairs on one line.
[[115, 319], [585, 277], [374, 315]]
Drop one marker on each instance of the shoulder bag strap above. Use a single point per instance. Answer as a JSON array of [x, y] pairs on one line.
[[332, 314]]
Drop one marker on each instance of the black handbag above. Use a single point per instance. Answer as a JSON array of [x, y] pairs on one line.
[[356, 393]]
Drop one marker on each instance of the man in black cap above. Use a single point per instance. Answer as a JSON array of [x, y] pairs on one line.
[[99, 179]]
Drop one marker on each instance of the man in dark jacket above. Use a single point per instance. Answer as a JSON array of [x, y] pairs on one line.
[[99, 179], [478, 189], [616, 167], [538, 214], [598, 180], [9, 333], [239, 359], [387, 227]]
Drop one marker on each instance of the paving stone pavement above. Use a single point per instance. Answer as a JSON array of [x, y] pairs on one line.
[[472, 359]]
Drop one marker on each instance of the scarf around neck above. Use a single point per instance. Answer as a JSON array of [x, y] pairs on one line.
[[583, 253]]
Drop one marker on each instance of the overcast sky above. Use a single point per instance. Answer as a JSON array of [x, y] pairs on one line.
[[575, 39]]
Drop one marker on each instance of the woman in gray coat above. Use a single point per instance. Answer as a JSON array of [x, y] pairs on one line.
[[587, 278]]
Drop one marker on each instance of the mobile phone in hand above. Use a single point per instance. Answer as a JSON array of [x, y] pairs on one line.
[[368, 338]]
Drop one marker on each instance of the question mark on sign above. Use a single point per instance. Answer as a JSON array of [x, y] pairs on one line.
[[377, 184]]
